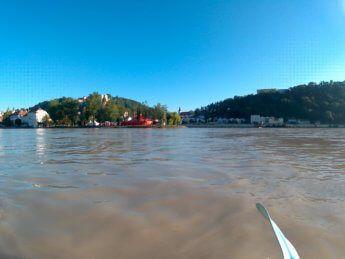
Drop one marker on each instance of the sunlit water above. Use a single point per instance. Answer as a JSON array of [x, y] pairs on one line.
[[170, 193]]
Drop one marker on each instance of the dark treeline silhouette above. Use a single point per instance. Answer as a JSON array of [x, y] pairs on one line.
[[323, 102]]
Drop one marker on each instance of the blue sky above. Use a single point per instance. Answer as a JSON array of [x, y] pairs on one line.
[[181, 53]]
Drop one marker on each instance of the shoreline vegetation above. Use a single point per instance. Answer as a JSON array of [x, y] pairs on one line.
[[182, 126], [95, 110], [101, 127], [305, 106], [312, 103]]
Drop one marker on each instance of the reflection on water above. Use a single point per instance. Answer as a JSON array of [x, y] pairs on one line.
[[180, 193], [40, 143], [1, 143]]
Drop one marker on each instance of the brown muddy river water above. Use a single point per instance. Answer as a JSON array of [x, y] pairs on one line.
[[170, 193]]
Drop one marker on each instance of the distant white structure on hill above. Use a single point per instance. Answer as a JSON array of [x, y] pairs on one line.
[[270, 91]]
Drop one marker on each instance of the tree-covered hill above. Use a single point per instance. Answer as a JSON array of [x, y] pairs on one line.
[[324, 102], [125, 103], [102, 108]]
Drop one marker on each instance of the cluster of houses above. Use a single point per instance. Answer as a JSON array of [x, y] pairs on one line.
[[36, 118], [190, 118], [39, 118], [256, 120], [266, 121], [29, 118]]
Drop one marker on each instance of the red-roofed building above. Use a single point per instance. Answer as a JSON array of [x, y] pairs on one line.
[[32, 119], [19, 114]]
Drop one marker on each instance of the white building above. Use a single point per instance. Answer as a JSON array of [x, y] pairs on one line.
[[275, 121], [104, 99], [35, 118], [255, 119], [92, 123], [186, 117], [32, 119], [82, 100], [270, 121], [18, 116]]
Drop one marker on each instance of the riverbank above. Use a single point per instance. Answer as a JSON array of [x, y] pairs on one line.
[[264, 126], [235, 126], [103, 127]]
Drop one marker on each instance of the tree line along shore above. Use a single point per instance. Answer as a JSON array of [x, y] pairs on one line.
[[90, 111], [322, 103], [308, 105]]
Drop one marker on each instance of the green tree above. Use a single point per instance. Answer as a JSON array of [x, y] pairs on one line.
[[324, 102], [53, 107], [46, 121], [70, 109], [64, 111], [174, 118], [111, 111], [93, 106], [6, 118], [329, 116], [160, 113]]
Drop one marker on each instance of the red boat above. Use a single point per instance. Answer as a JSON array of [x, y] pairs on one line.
[[138, 122]]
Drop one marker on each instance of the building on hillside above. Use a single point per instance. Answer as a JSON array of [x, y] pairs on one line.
[[185, 117], [271, 90], [266, 91], [306, 123], [272, 121], [33, 119], [255, 119], [104, 98], [1, 116], [93, 123], [82, 100], [268, 121], [16, 117]]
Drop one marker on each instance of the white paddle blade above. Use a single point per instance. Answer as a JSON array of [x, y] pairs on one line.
[[289, 252]]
